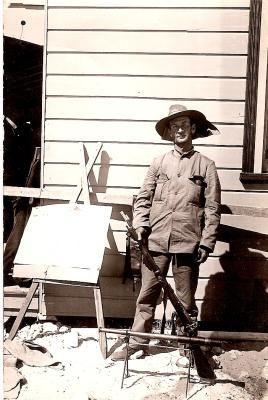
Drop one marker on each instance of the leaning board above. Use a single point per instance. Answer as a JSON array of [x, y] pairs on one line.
[[63, 242]]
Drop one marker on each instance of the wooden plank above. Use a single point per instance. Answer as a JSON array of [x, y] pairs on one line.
[[124, 202], [245, 199], [126, 309], [128, 132], [26, 271], [16, 290], [120, 176], [16, 302], [75, 307], [116, 290], [252, 247], [191, 88], [138, 109], [138, 154], [84, 183], [52, 273], [225, 208], [242, 210], [113, 265], [150, 3], [230, 266], [147, 64], [122, 196], [66, 263], [114, 309], [209, 288], [23, 310], [147, 42], [247, 223], [225, 246], [209, 310], [123, 309], [21, 191], [55, 304], [244, 267], [61, 194], [10, 312], [100, 321], [112, 288], [215, 311], [149, 19], [214, 270], [226, 267]]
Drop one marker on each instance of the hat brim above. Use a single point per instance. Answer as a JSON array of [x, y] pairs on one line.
[[204, 128]]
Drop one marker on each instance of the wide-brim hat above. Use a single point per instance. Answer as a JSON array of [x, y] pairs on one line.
[[204, 127]]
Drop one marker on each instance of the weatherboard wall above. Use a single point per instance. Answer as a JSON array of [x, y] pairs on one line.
[[113, 69]]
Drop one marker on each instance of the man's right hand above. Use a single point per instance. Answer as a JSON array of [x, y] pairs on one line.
[[142, 233]]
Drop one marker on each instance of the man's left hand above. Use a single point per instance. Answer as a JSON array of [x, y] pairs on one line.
[[202, 255]]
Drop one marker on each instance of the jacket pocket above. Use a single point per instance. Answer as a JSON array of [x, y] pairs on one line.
[[158, 195], [196, 186]]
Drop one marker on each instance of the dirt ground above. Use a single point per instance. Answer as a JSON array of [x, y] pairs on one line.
[[83, 374]]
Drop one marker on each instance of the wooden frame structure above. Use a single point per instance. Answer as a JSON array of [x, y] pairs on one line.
[[248, 175], [85, 169]]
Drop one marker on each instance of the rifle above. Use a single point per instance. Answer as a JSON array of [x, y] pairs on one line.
[[204, 369]]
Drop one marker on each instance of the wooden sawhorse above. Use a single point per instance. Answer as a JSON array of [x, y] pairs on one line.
[[98, 308], [85, 169]]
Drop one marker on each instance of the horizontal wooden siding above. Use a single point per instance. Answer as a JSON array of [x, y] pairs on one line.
[[113, 70]]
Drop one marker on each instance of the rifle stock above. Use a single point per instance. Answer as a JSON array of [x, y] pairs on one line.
[[204, 369]]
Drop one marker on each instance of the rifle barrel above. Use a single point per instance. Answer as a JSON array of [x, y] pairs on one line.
[[180, 339]]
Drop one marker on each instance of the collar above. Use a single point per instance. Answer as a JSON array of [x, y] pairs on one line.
[[184, 154]]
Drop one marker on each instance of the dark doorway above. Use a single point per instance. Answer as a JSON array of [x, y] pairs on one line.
[[22, 106]]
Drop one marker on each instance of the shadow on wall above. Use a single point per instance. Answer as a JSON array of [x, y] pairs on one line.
[[240, 292], [99, 186]]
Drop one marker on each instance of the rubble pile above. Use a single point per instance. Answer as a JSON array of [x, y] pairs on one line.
[[81, 373]]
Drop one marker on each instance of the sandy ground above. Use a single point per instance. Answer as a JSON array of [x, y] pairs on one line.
[[83, 374]]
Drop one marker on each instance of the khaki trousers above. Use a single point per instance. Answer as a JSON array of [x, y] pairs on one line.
[[185, 272]]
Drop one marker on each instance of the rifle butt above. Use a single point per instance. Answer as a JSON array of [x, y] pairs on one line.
[[203, 367]]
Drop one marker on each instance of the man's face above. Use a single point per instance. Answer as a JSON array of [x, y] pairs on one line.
[[182, 131]]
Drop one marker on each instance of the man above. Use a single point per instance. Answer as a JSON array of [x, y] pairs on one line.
[[178, 211], [17, 156], [18, 151]]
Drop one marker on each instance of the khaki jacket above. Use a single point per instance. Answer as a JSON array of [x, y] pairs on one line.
[[180, 202]]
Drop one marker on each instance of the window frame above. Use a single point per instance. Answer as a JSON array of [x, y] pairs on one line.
[[254, 36]]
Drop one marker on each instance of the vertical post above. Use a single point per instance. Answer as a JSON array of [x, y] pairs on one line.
[[100, 320], [40, 299], [83, 170]]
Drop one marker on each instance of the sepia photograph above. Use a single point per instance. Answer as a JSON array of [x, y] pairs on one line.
[[135, 199]]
